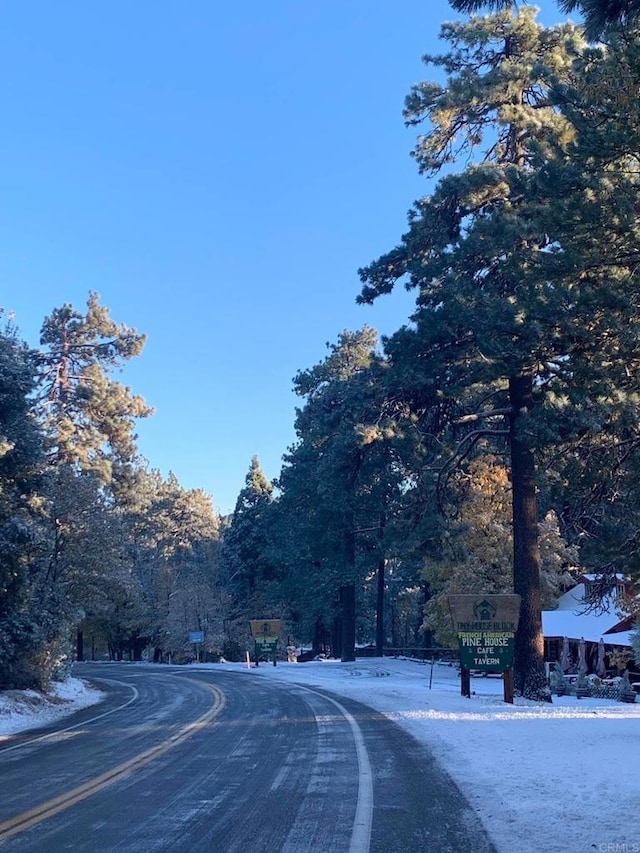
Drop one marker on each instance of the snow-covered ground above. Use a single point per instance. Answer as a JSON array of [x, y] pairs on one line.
[[26, 709], [559, 778]]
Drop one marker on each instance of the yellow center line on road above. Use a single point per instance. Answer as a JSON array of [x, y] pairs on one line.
[[52, 807]]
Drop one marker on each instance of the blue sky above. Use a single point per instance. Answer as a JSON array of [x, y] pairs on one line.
[[217, 173]]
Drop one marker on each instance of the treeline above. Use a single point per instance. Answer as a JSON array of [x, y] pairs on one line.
[[92, 542], [491, 444]]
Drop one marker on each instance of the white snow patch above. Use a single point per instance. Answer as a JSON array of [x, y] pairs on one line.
[[29, 709]]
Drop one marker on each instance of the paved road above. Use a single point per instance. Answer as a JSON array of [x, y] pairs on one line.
[[207, 761]]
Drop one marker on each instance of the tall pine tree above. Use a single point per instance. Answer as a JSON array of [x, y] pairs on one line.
[[485, 342], [89, 417]]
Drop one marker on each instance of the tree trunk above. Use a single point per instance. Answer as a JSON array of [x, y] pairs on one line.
[[79, 645], [139, 645], [348, 593], [380, 590], [427, 635], [380, 609], [318, 636], [336, 637], [348, 599], [530, 679]]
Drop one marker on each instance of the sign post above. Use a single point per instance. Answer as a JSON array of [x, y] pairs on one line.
[[486, 626], [265, 633], [197, 639]]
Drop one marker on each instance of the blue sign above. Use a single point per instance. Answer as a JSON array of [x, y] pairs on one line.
[[196, 636]]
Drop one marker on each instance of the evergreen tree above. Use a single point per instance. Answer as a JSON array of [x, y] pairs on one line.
[[170, 544], [25, 629], [82, 553], [89, 417], [128, 619], [594, 484], [89, 423], [188, 591], [599, 15], [475, 251], [338, 487], [247, 566], [477, 550]]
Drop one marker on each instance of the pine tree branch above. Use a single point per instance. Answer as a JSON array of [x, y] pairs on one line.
[[478, 416]]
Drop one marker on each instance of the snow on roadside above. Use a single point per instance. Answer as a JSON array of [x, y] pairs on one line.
[[560, 778], [27, 709]]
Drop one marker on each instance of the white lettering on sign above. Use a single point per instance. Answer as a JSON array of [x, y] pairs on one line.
[[486, 626]]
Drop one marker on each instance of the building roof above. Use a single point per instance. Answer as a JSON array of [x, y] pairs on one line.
[[573, 619], [591, 626]]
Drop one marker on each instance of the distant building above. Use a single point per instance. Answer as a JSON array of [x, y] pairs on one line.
[[582, 613]]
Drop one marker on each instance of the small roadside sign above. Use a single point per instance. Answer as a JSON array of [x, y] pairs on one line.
[[486, 626], [265, 628], [486, 652], [266, 646], [196, 637], [265, 633]]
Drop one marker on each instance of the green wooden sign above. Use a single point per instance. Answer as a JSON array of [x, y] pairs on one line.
[[266, 645], [487, 652], [486, 626]]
